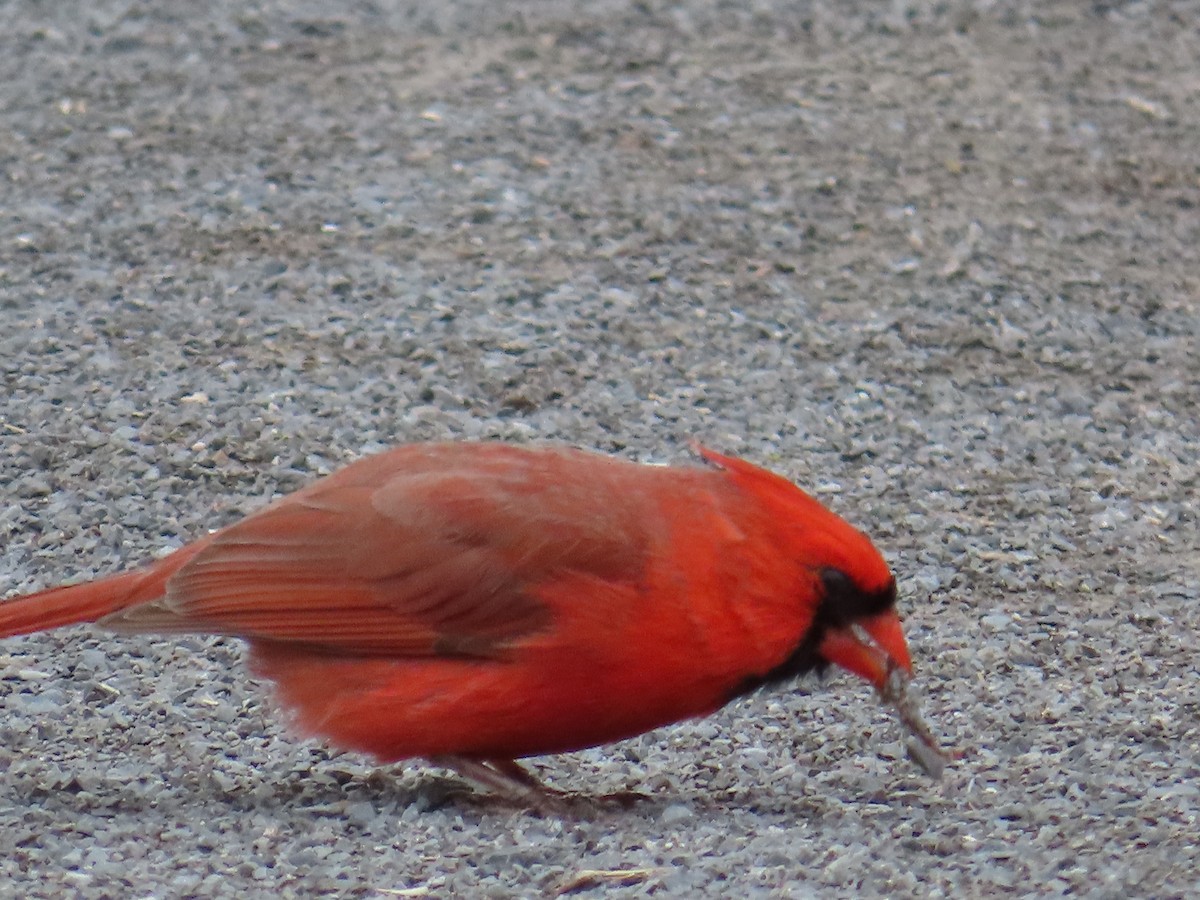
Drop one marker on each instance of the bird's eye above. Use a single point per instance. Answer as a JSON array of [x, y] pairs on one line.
[[845, 600], [838, 585]]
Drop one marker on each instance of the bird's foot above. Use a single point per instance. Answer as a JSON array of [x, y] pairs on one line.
[[510, 781], [506, 779]]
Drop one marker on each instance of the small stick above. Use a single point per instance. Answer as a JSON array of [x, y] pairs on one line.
[[922, 746]]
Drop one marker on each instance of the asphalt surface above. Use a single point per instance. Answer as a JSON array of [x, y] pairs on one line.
[[938, 263]]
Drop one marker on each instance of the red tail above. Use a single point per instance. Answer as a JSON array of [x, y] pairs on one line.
[[68, 605], [75, 604]]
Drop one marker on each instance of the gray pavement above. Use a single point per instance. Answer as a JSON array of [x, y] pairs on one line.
[[938, 263]]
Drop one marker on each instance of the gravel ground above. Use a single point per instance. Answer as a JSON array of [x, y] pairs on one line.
[[939, 262]]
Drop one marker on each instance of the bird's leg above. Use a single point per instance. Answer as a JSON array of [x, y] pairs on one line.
[[507, 779], [513, 769]]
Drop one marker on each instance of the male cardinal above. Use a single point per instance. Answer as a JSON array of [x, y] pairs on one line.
[[474, 603]]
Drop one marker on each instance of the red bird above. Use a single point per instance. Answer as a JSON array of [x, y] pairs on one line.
[[477, 603]]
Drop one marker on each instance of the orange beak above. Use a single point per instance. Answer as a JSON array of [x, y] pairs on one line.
[[870, 648]]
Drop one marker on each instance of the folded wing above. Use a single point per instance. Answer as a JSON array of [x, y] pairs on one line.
[[425, 550]]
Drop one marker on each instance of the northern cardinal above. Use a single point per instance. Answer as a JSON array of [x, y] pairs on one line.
[[474, 603]]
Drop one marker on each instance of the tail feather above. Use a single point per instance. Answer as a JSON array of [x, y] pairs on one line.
[[70, 605], [75, 604]]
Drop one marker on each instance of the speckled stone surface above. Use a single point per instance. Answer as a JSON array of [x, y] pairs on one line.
[[939, 263]]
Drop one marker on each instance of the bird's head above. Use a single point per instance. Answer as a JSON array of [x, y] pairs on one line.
[[858, 629], [855, 625]]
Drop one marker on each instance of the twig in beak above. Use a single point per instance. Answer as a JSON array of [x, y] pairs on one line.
[[922, 746]]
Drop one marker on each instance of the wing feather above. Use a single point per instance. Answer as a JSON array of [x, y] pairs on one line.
[[425, 550]]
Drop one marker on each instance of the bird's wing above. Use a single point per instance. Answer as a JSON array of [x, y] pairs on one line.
[[428, 550]]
